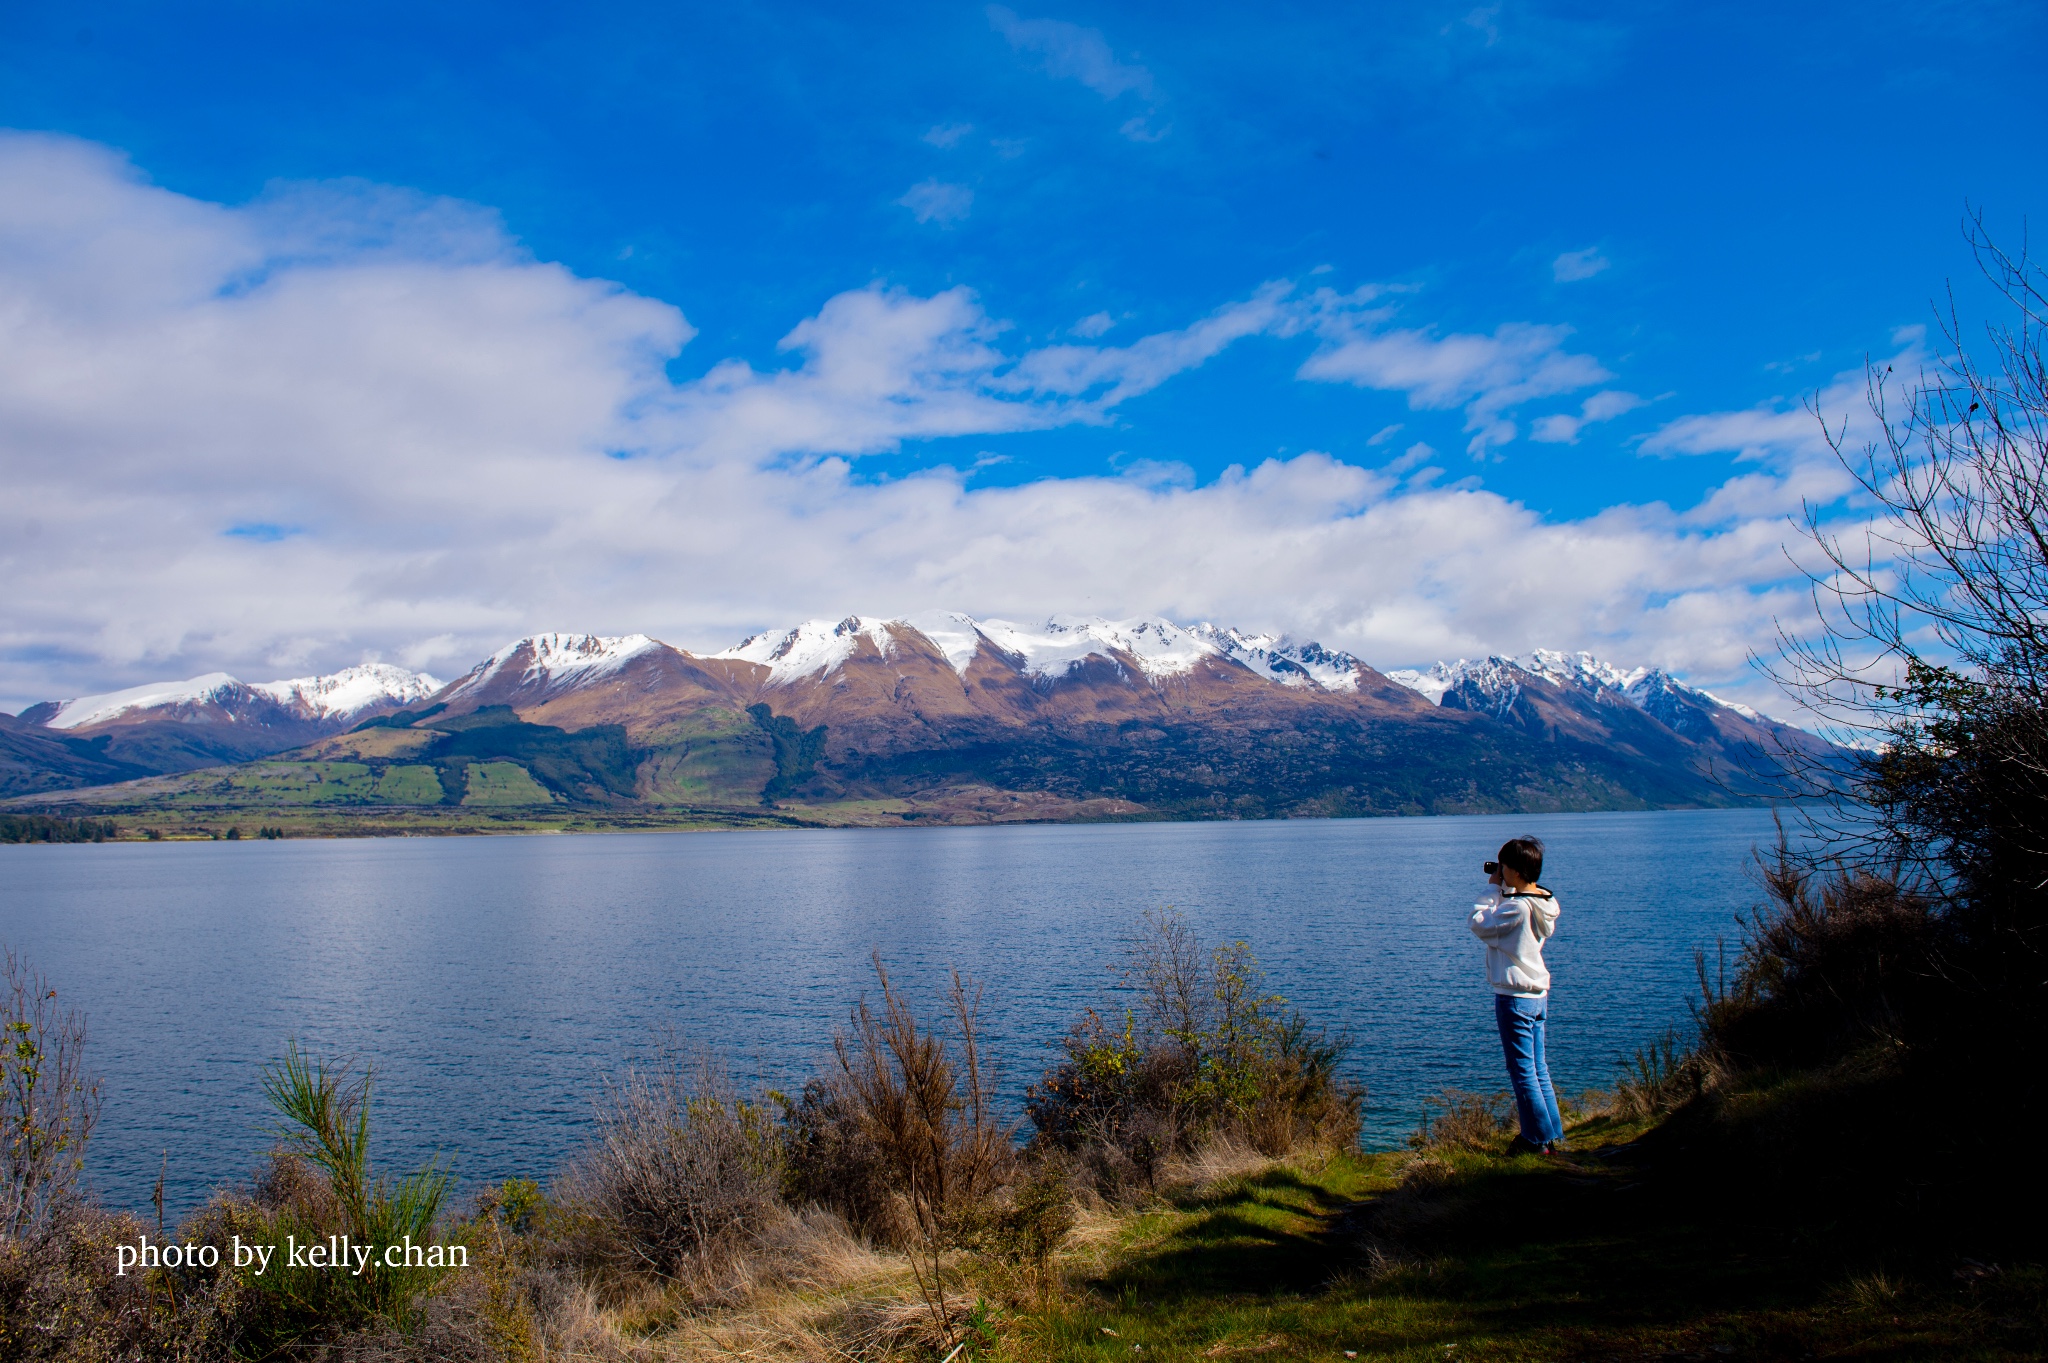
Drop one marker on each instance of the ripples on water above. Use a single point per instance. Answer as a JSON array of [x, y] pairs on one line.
[[491, 979]]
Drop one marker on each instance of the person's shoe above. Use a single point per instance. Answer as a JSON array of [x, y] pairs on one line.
[[1522, 1145]]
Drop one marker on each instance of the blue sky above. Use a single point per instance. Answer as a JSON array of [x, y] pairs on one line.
[[1582, 257]]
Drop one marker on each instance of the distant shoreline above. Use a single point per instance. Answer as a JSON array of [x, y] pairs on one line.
[[143, 824]]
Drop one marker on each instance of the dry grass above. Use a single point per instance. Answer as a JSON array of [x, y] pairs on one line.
[[807, 1289], [1457, 1120], [1222, 1157]]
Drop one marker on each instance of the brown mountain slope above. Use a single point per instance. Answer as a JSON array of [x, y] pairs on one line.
[[1144, 717]]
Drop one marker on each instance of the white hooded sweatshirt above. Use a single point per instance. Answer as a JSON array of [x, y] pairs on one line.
[[1514, 927]]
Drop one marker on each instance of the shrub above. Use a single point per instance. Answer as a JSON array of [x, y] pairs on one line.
[[832, 1162], [1661, 1076], [48, 1103], [927, 1109], [1206, 1053], [1841, 957], [61, 1300], [682, 1164]]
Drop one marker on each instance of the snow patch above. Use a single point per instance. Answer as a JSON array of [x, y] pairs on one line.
[[1498, 679], [1432, 682], [815, 646], [554, 661], [1160, 648], [351, 691], [336, 696], [73, 714], [1157, 647], [955, 635], [1278, 658]]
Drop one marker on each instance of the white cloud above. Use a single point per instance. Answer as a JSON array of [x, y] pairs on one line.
[[1785, 440], [470, 444], [936, 201], [1417, 453], [1573, 266], [948, 135], [1071, 52], [1563, 429], [1487, 375], [1093, 325], [1107, 375]]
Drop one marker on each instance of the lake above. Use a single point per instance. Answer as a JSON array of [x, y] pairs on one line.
[[492, 980]]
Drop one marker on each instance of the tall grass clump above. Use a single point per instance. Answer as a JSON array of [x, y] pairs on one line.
[[321, 1183], [1202, 1052]]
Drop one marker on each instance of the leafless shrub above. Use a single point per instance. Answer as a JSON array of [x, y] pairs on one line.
[[48, 1103], [928, 1110], [683, 1164], [1457, 1120]]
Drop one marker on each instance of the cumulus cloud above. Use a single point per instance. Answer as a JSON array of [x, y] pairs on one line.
[[1573, 266], [346, 423], [936, 201]]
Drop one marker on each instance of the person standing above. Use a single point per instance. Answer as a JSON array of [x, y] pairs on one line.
[[1514, 921]]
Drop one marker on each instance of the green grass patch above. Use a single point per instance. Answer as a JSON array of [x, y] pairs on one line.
[[711, 756], [283, 783], [503, 783], [409, 786]]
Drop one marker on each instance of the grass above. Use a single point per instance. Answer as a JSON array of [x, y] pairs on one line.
[[1474, 1256], [502, 783]]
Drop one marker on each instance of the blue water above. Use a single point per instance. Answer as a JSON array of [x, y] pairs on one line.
[[492, 980]]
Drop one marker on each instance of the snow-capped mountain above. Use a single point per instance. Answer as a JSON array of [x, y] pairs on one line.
[[1140, 715], [547, 664], [207, 720], [1153, 648], [1495, 684], [340, 697]]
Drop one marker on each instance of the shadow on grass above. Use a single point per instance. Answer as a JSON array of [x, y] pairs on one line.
[[1273, 1232], [1595, 1257]]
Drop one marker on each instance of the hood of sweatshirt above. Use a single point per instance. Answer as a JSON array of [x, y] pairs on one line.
[[1542, 910]]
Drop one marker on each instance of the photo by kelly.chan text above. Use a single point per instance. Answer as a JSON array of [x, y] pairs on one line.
[[337, 1253]]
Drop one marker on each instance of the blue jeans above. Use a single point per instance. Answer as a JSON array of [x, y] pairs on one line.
[[1520, 1020]]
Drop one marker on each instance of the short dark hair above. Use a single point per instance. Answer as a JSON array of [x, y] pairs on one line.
[[1524, 856]]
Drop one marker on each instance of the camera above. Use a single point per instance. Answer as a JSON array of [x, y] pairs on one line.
[[1491, 868]]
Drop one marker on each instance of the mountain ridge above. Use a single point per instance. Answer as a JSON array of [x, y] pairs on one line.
[[1166, 719]]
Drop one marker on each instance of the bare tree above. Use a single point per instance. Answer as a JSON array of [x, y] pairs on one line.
[[48, 1103], [1932, 654]]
